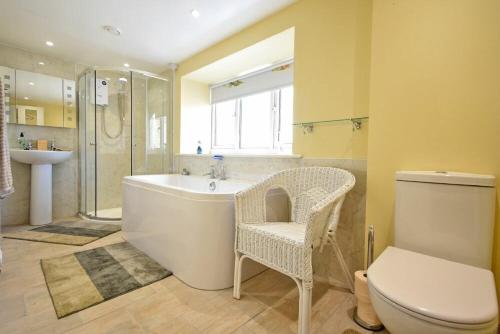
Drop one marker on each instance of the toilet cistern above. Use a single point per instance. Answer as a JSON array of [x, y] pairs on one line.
[[436, 280]]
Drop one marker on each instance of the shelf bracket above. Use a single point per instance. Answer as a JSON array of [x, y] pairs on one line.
[[356, 124]]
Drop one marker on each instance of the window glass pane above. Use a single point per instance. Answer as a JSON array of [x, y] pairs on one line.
[[256, 121], [286, 116], [225, 124]]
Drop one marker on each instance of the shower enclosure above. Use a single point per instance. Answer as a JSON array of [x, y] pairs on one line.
[[125, 129]]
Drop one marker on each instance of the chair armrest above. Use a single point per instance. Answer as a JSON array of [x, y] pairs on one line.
[[250, 204]]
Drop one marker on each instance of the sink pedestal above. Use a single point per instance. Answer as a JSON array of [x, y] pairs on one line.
[[41, 180], [41, 194]]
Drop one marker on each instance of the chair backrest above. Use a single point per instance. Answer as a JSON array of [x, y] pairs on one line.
[[318, 184], [298, 180]]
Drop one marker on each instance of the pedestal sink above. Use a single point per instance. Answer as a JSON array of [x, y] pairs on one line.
[[41, 180]]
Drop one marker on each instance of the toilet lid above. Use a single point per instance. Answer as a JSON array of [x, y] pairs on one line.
[[434, 287]]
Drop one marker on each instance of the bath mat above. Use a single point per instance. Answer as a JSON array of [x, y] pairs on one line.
[[77, 233], [83, 279]]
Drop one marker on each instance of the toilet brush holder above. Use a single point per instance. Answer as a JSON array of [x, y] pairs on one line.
[[364, 314]]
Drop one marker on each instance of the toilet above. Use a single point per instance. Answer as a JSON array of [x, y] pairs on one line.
[[437, 278]]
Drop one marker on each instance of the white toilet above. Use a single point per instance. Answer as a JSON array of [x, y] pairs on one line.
[[437, 279]]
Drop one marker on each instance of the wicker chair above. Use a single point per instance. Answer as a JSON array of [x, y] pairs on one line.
[[317, 195]]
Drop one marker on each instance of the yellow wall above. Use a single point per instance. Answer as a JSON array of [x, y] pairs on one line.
[[434, 97], [195, 102], [331, 78]]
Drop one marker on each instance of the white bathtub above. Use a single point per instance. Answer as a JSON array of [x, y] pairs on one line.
[[186, 227]]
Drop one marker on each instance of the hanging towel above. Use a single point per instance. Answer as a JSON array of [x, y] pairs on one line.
[[6, 184]]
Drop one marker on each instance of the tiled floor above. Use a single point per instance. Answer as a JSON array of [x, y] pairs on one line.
[[268, 304], [113, 213]]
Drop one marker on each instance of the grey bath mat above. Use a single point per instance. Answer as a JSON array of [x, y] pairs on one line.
[[83, 279], [78, 233]]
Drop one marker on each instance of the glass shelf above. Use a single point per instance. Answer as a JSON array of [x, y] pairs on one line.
[[355, 121]]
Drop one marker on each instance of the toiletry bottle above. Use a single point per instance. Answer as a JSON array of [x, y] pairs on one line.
[[199, 150], [22, 141], [52, 145]]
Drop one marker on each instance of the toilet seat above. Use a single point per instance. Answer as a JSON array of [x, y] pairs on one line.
[[435, 290]]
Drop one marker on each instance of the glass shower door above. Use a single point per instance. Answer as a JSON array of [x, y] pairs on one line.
[[86, 119], [124, 129], [113, 120], [151, 125]]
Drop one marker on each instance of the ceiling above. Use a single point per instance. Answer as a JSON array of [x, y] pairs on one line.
[[154, 32], [272, 50]]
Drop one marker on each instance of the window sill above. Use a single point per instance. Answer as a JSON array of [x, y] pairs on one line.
[[244, 155]]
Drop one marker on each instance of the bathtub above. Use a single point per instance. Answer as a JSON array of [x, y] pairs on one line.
[[186, 223]]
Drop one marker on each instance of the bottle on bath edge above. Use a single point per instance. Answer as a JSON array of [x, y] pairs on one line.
[[199, 150]]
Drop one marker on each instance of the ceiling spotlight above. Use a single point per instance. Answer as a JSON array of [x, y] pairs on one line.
[[26, 98], [41, 63], [122, 79], [195, 13], [126, 65], [31, 83], [49, 43], [112, 30]]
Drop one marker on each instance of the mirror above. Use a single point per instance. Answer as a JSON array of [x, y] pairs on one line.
[[38, 99]]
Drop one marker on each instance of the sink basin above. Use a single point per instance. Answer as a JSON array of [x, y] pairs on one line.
[[35, 157], [41, 180]]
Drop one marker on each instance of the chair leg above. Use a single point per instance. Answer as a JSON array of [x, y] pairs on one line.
[[301, 298], [237, 275], [306, 305], [343, 265]]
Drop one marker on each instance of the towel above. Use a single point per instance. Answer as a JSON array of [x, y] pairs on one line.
[[6, 183]]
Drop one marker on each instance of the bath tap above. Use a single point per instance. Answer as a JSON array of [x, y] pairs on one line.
[[185, 171], [211, 173], [222, 173]]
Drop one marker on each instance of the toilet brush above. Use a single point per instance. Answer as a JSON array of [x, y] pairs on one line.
[[364, 314]]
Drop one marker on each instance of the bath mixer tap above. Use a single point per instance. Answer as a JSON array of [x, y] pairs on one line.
[[211, 173]]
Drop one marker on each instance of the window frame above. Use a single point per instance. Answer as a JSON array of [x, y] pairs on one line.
[[275, 145]]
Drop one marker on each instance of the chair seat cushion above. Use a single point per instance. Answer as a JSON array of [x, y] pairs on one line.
[[278, 245], [290, 232]]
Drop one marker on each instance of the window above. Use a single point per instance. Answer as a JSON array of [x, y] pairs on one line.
[[260, 123]]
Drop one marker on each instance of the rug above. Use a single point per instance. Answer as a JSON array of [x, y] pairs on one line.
[[83, 279], [78, 233]]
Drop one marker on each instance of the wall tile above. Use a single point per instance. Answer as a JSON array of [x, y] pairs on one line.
[[350, 232]]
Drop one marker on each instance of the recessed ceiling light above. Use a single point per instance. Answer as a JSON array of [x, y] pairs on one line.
[[112, 30], [195, 13], [126, 65], [31, 83], [49, 43], [26, 98], [122, 79], [41, 63]]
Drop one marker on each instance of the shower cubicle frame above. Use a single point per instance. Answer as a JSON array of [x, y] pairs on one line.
[[169, 127]]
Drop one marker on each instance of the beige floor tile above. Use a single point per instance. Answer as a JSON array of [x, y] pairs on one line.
[[268, 304], [114, 322]]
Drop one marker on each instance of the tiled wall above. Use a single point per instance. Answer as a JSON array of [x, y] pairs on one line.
[[350, 233], [15, 209]]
